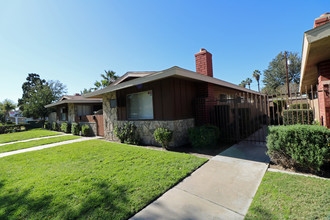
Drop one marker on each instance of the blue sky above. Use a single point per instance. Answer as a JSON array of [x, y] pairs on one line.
[[74, 41]]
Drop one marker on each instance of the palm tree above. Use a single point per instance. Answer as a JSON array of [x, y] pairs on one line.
[[256, 75], [243, 84], [8, 105], [248, 82], [107, 78]]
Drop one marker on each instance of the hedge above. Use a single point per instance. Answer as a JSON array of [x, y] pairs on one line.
[[299, 146], [36, 124], [66, 127], [75, 128], [13, 128], [85, 130], [298, 116], [206, 136]]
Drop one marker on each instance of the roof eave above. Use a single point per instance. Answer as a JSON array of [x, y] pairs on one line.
[[173, 71]]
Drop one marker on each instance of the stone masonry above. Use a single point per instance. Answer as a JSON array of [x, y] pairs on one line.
[[145, 128]]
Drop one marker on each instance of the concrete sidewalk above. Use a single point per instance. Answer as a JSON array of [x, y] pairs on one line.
[[47, 146], [223, 188], [34, 139]]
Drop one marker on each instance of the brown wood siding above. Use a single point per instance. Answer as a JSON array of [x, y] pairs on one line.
[[172, 98]]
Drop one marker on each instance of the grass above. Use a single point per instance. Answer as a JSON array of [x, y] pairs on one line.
[[88, 180], [22, 145], [24, 135], [285, 196]]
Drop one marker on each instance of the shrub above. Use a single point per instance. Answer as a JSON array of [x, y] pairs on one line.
[[292, 117], [299, 106], [163, 136], [9, 123], [75, 128], [85, 130], [205, 136], [55, 126], [279, 105], [36, 124], [65, 127], [47, 125], [12, 128], [299, 146], [127, 133]]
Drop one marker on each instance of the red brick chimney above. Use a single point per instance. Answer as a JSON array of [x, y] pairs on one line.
[[204, 63], [323, 19]]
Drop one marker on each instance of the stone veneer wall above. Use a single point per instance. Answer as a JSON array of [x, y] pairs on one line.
[[145, 128], [71, 112], [179, 127], [109, 117]]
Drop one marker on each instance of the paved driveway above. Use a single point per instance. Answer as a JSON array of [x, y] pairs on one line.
[[223, 188]]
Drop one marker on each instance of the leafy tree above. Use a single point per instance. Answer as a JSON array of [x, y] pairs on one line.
[[37, 93], [275, 74], [256, 75], [86, 91], [7, 106], [248, 81], [294, 88], [2, 114], [243, 84], [57, 88], [107, 78]]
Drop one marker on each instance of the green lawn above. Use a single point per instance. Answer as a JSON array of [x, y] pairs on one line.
[[24, 135], [89, 180], [285, 196], [22, 145]]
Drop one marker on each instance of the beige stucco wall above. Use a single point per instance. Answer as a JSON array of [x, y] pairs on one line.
[[145, 129]]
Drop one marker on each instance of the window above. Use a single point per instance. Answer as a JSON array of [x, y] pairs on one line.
[[83, 110], [63, 113], [113, 103], [139, 105]]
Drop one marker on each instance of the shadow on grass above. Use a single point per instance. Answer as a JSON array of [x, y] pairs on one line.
[[104, 202], [258, 213], [19, 201]]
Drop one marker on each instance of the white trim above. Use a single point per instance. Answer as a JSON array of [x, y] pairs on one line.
[[74, 102]]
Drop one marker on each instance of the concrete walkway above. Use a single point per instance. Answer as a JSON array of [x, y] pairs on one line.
[[47, 146], [223, 188], [34, 139]]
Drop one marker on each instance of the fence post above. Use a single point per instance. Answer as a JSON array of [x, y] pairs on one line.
[[236, 117]]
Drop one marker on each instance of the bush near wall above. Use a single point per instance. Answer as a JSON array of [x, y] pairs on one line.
[[55, 126], [163, 136], [206, 136], [66, 127], [127, 133], [299, 146], [298, 116], [75, 128], [85, 129], [47, 125]]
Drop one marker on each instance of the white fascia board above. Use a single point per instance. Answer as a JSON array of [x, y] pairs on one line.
[[304, 55]]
